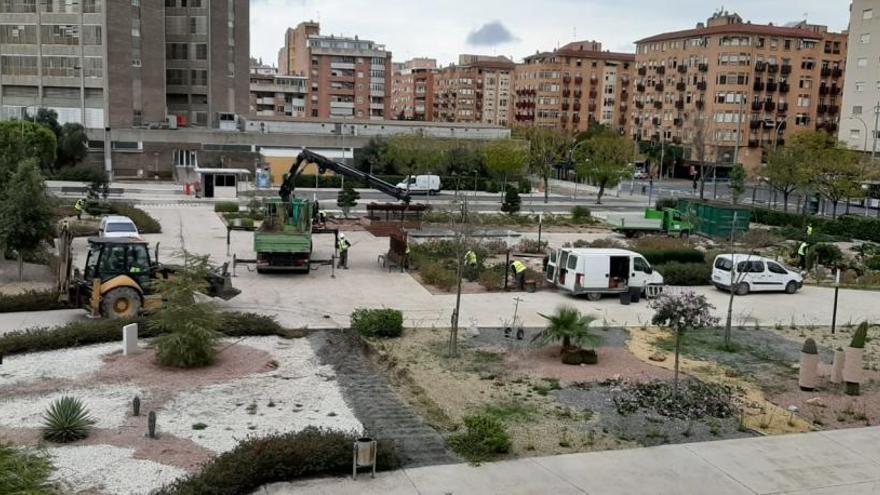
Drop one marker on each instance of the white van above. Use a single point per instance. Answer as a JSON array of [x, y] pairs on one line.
[[426, 184], [117, 226], [749, 272], [600, 271]]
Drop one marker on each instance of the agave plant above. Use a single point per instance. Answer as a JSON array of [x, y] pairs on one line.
[[66, 420]]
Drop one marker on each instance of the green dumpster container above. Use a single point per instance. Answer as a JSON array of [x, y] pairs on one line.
[[715, 220]]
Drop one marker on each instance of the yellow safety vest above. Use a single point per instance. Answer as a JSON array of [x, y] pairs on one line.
[[470, 258], [802, 251], [79, 205], [343, 245], [809, 230], [519, 267]]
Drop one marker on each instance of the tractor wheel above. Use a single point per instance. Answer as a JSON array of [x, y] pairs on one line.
[[123, 302]]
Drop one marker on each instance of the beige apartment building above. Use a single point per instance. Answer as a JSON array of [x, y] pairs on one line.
[[573, 87], [478, 89], [348, 77], [274, 95], [412, 90], [737, 89]]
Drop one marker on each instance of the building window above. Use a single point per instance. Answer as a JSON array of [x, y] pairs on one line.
[[857, 110], [860, 87], [201, 51], [865, 38], [855, 133], [868, 14], [862, 62]]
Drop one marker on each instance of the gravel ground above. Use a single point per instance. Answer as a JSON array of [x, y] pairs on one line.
[[107, 404], [77, 362], [300, 393], [106, 469], [643, 427]]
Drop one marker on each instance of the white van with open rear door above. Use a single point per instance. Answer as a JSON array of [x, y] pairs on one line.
[[601, 271]]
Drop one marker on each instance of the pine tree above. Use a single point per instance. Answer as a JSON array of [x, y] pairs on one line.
[[347, 198], [26, 212], [511, 201]]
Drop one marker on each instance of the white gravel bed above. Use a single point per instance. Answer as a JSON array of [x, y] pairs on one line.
[[65, 363], [108, 405], [110, 470], [300, 393]]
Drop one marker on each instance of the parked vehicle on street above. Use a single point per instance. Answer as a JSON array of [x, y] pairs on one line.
[[117, 226], [594, 272], [668, 221], [420, 184], [746, 273]]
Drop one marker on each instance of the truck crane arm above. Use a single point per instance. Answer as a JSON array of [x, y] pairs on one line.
[[323, 163]]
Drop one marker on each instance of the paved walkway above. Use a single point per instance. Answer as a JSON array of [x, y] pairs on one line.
[[835, 462]]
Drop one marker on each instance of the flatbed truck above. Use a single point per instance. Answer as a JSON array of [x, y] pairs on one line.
[[667, 221]]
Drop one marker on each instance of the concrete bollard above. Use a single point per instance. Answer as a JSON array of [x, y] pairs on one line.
[[130, 339], [837, 366]]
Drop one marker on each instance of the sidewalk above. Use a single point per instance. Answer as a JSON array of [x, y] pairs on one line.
[[834, 462]]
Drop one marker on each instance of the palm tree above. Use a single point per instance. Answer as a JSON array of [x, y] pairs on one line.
[[569, 326]]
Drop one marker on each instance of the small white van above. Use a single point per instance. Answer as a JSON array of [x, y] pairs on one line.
[[424, 184], [595, 272], [117, 226], [748, 272]]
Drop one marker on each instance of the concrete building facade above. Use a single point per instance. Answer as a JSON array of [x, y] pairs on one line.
[[573, 88], [477, 89], [729, 90], [861, 90], [349, 78], [120, 64], [274, 95], [412, 90]]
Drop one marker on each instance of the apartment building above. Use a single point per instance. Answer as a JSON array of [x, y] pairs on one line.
[[112, 64], [737, 89], [861, 90], [412, 90], [573, 87], [348, 77], [478, 89], [274, 95]]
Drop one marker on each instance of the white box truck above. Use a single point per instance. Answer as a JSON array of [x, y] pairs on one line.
[[421, 184], [594, 272]]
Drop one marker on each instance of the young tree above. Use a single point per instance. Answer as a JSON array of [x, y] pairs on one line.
[[737, 182], [547, 147], [604, 159], [681, 313], [836, 175], [25, 212], [372, 157], [21, 140], [512, 201], [505, 158], [415, 154], [698, 148], [785, 172], [73, 145], [347, 198]]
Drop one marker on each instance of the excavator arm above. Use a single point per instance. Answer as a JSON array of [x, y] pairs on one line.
[[323, 163]]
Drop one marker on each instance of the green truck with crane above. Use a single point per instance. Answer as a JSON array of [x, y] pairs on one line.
[[284, 242]]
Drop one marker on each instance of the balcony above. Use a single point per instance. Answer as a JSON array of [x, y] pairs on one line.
[[700, 104], [833, 109], [755, 124], [640, 88], [823, 89], [825, 72], [769, 105], [575, 118], [703, 67], [578, 93], [658, 104], [591, 107], [772, 68], [594, 80], [565, 107], [623, 106], [679, 104], [566, 93], [655, 121], [701, 85], [782, 108], [678, 122], [642, 71], [658, 87], [757, 106], [785, 69], [822, 109], [682, 69], [758, 86], [680, 86], [835, 90], [566, 79], [836, 72], [660, 69], [576, 107], [640, 105], [784, 87], [760, 66], [624, 82], [772, 87], [578, 79], [593, 94], [754, 143]]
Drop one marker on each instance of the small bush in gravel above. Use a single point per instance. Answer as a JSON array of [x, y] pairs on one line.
[[24, 472], [695, 399], [484, 439], [31, 300], [283, 457], [226, 207], [580, 214], [377, 322], [66, 420]]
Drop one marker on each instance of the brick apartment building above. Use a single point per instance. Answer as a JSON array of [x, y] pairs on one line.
[[121, 64], [412, 90], [348, 77], [573, 87], [478, 89], [743, 87]]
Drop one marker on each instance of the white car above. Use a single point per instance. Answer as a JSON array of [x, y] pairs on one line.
[[117, 226], [751, 273]]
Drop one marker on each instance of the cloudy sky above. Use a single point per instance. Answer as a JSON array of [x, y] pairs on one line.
[[516, 28]]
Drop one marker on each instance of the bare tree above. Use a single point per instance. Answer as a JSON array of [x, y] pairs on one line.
[[698, 144]]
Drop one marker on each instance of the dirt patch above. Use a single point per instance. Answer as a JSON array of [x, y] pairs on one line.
[[613, 362]]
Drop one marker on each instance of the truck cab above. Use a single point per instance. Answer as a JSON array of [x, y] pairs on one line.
[[600, 271]]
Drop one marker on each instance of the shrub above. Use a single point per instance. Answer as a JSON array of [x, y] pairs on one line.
[[580, 214], [531, 246], [281, 457], [146, 224], [679, 256], [493, 278], [512, 200], [226, 207], [524, 185], [873, 262], [79, 174], [675, 273], [759, 238], [826, 254], [188, 335], [377, 322], [484, 439], [438, 275], [24, 472], [66, 420], [31, 300]]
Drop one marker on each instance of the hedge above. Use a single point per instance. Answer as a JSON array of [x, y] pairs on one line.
[[226, 207], [686, 255], [280, 457], [849, 226], [145, 223], [675, 273], [31, 300], [83, 333]]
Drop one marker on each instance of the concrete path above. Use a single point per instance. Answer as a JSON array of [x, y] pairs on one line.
[[834, 462]]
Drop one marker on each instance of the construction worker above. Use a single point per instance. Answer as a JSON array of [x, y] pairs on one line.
[[809, 231], [802, 255], [343, 251], [470, 264], [519, 272], [79, 206]]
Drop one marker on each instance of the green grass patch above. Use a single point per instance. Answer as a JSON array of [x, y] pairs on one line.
[[24, 472], [510, 411], [484, 439]]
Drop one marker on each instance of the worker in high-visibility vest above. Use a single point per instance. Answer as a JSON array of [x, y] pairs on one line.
[[343, 251], [470, 265], [802, 255], [809, 231], [519, 272], [79, 206]]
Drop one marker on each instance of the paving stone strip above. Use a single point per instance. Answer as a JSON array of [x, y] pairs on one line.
[[375, 403]]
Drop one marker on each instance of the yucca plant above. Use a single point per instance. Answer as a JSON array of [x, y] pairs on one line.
[[66, 420]]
